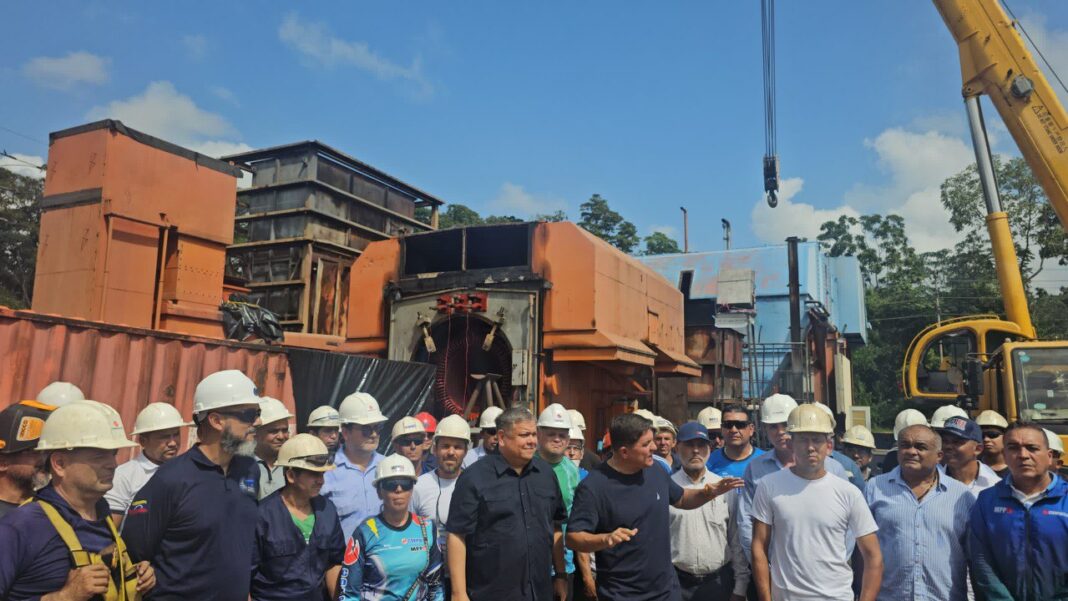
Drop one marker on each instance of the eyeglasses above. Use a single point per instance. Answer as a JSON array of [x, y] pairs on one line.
[[490, 431], [410, 441], [370, 430], [736, 424], [392, 484], [991, 433], [246, 416], [574, 447], [316, 460]]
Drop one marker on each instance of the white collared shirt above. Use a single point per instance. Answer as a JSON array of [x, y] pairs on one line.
[[703, 539], [129, 478]]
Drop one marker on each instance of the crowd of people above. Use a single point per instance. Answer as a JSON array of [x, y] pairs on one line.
[[521, 506]]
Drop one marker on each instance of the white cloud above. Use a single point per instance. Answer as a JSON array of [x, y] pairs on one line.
[[668, 230], [67, 72], [165, 113], [314, 41], [514, 200], [226, 95], [23, 164], [791, 218], [196, 46]]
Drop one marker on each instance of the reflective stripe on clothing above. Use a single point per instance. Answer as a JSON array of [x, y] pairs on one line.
[[923, 542], [351, 490]]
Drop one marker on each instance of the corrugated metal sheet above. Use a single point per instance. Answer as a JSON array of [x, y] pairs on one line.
[[126, 368]]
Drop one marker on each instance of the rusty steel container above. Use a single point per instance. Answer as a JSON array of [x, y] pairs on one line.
[[125, 367]]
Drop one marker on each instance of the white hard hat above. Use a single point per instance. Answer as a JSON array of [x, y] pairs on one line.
[[394, 466], [860, 436], [577, 420], [776, 408], [809, 418], [663, 423], [646, 414], [993, 419], [906, 418], [272, 410], [576, 434], [945, 412], [827, 410], [324, 417], [711, 418], [488, 419], [1054, 441], [407, 425], [158, 416], [60, 393], [453, 426], [305, 452], [554, 416], [83, 424], [360, 408], [226, 388]]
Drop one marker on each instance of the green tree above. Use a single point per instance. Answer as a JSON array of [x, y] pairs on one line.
[[600, 220], [494, 219], [20, 217], [457, 215], [659, 243], [554, 216]]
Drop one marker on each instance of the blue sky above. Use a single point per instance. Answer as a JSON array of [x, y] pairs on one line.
[[530, 107]]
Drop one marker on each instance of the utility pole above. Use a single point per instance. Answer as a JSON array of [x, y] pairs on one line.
[[685, 230]]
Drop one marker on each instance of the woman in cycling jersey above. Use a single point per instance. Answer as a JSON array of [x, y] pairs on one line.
[[393, 556]]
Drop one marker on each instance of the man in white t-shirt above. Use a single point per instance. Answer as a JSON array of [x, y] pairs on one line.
[[432, 495], [158, 430], [800, 518]]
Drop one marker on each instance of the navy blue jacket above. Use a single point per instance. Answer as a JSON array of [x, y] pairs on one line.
[[284, 567], [1020, 554], [34, 560], [197, 527]]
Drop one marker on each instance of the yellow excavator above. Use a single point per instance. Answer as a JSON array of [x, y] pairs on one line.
[[983, 361]]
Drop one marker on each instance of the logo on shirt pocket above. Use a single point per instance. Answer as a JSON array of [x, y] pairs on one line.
[[1003, 510], [138, 508]]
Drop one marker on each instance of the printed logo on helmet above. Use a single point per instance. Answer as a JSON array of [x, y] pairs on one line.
[[29, 429], [397, 468]]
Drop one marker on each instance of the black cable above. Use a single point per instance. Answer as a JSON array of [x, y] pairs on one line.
[[1034, 45], [21, 135], [4, 153]]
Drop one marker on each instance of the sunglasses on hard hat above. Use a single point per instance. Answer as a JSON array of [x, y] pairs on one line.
[[410, 441], [247, 416], [736, 424], [316, 460], [391, 484], [992, 433]]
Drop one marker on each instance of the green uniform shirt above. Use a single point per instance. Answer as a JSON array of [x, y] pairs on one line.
[[567, 475]]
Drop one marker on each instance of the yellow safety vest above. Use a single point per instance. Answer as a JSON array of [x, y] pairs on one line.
[[120, 560]]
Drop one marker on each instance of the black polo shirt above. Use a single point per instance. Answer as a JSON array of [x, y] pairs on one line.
[[197, 526], [507, 520]]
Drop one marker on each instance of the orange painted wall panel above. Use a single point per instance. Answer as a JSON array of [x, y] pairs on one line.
[[76, 163], [67, 280], [130, 273]]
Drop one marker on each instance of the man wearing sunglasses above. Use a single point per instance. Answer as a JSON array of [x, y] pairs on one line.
[[195, 520], [994, 426], [487, 430], [350, 486], [738, 450], [299, 544], [408, 439]]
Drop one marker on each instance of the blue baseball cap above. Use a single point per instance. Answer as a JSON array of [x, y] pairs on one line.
[[693, 431], [963, 428]]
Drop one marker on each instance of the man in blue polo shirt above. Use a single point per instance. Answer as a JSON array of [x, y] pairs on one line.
[[351, 486], [1019, 526], [738, 450], [195, 520]]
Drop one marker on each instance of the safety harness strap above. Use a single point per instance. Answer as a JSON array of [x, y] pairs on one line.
[[82, 558]]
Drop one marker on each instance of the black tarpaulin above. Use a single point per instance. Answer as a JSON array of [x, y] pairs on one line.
[[321, 378]]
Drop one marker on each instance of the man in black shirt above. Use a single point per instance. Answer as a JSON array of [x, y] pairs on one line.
[[505, 539], [20, 426], [621, 514]]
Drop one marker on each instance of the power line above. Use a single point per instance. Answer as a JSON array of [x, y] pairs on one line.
[[1035, 46], [22, 135], [4, 153]]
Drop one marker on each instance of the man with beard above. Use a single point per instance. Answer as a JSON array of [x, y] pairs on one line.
[[269, 440], [432, 495], [20, 425], [63, 544], [962, 440], [158, 430], [195, 520]]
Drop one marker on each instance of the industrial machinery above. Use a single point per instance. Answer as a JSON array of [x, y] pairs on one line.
[[984, 360]]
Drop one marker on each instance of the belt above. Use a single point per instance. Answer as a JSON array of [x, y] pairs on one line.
[[684, 575]]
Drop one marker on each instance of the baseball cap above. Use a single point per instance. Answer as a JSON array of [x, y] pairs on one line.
[[692, 431], [21, 425], [962, 428]]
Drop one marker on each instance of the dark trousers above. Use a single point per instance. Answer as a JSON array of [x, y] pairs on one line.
[[716, 586]]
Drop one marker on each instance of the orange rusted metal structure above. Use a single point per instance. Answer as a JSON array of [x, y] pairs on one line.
[[557, 313], [134, 230], [125, 367]]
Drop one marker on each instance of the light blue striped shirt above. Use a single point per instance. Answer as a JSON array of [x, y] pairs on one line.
[[742, 505], [351, 491], [923, 542]]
